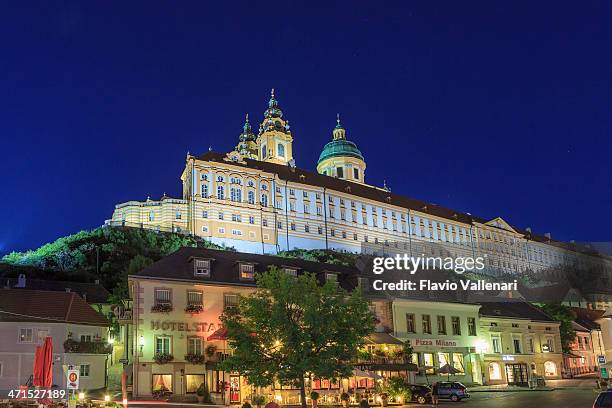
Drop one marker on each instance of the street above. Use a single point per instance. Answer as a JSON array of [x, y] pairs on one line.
[[561, 398]]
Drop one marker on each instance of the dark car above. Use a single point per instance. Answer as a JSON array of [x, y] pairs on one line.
[[420, 393], [604, 400], [454, 391]]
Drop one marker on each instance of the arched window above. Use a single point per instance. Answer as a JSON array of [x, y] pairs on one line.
[[264, 152], [494, 371], [151, 216], [205, 190], [264, 200], [550, 369], [220, 192], [251, 197], [281, 150]]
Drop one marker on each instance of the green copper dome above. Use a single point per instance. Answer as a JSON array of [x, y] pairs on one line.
[[340, 148]]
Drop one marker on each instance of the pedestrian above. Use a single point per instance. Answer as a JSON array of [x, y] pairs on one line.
[[434, 394]]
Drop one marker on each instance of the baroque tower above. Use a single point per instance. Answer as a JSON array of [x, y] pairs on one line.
[[274, 141], [247, 145], [341, 158]]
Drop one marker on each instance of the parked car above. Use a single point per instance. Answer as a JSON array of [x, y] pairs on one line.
[[452, 390], [420, 393], [604, 400]]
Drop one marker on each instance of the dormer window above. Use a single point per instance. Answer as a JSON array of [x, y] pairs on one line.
[[290, 271], [247, 271], [331, 277], [201, 268]]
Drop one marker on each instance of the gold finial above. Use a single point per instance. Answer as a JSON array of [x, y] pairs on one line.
[[272, 93], [247, 117], [338, 118]]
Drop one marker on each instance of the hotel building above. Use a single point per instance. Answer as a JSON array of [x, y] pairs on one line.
[[256, 200]]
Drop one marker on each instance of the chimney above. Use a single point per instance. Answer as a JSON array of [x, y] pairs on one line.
[[21, 281]]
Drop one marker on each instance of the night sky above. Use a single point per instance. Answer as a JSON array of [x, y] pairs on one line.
[[497, 108]]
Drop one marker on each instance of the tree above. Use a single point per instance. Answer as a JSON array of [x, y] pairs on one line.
[[293, 327], [564, 315]]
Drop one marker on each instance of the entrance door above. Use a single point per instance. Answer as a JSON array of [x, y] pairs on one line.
[[516, 374], [234, 389]]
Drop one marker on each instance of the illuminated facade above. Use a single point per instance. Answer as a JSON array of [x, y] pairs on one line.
[[255, 199]]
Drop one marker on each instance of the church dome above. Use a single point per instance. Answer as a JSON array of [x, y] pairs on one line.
[[340, 148]]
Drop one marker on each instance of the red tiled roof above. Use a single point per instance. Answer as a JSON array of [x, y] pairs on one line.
[[25, 305]]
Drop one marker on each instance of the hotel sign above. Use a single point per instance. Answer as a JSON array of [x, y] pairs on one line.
[[434, 343], [202, 327]]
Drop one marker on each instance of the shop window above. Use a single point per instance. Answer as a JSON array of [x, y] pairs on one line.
[[443, 359], [550, 369], [161, 381], [494, 371], [428, 361], [458, 362], [193, 381]]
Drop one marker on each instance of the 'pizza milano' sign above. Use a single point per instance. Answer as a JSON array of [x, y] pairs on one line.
[[183, 326], [434, 342]]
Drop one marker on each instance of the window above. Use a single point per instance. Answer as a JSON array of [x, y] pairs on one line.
[[236, 218], [230, 300], [306, 209], [456, 325], [471, 326], [178, 215], [428, 361], [26, 335], [279, 225], [443, 359], [264, 200], [220, 192], [264, 222], [194, 297], [517, 346], [247, 271], [151, 216], [441, 325], [251, 219], [292, 226], [319, 211], [291, 192], [204, 190], [426, 324], [530, 346], [320, 230], [410, 327], [220, 215], [162, 345], [550, 369], [264, 152], [290, 271], [84, 370], [235, 194], [494, 371], [458, 362], [40, 337], [340, 172], [85, 338], [550, 343], [496, 342], [201, 267], [194, 345], [281, 150], [331, 277], [251, 197], [204, 214], [162, 296], [356, 173], [306, 228]]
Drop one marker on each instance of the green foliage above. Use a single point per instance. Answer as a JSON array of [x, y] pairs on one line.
[[163, 358], [345, 396], [246, 405], [321, 255], [109, 254], [260, 399], [314, 395], [397, 388], [202, 391], [293, 326], [364, 403], [562, 314]]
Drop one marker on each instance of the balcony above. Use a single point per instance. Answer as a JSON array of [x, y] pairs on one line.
[[87, 347]]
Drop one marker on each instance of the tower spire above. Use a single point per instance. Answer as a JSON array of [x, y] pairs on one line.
[[339, 132]]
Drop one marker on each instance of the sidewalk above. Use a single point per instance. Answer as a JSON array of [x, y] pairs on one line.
[[551, 385]]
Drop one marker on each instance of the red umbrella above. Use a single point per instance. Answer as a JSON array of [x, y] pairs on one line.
[[47, 362], [38, 368]]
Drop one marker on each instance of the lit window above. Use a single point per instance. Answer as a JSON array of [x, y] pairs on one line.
[[26, 335], [495, 371], [281, 150], [162, 345], [247, 271], [550, 369]]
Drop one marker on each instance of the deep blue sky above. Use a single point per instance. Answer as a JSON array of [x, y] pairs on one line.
[[498, 108]]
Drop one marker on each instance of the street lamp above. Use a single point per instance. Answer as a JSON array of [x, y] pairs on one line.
[[141, 342]]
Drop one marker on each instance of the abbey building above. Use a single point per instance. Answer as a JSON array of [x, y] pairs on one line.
[[256, 200]]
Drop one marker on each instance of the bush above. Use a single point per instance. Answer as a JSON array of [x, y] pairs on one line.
[[258, 399], [246, 405], [364, 403], [344, 396], [162, 358], [314, 395]]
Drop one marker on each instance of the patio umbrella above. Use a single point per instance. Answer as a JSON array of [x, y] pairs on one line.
[[448, 369], [37, 374], [47, 362]]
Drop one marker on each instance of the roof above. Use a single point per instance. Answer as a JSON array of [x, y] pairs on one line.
[[516, 310], [91, 292], [302, 176], [587, 318], [382, 338], [26, 305], [179, 266], [340, 148]]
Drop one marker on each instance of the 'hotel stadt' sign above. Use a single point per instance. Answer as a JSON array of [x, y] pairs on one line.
[[183, 326]]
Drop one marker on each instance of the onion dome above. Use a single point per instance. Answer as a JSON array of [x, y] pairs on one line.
[[273, 110], [247, 134], [339, 146]]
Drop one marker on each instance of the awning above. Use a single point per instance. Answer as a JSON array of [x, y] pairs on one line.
[[571, 355], [219, 334], [382, 338], [366, 374]]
